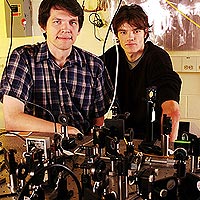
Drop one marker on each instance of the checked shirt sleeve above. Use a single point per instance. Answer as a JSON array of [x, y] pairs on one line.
[[16, 79]]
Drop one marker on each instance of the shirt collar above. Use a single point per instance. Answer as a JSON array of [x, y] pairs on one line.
[[74, 58], [43, 53]]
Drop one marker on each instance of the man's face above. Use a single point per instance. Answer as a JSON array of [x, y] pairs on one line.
[[131, 38], [62, 29]]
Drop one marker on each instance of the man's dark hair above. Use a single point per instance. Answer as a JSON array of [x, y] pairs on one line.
[[132, 14], [70, 5]]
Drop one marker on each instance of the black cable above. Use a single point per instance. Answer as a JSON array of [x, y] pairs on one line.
[[23, 192], [95, 34], [6, 132], [50, 113], [11, 35], [97, 22], [5, 196]]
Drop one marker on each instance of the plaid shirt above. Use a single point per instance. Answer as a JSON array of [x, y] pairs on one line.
[[77, 89]]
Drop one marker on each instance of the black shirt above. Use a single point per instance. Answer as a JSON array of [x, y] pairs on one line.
[[154, 69]]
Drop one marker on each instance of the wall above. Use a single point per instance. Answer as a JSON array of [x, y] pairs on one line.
[[183, 62], [187, 64]]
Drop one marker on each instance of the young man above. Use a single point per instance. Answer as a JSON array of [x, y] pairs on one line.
[[142, 65], [54, 77]]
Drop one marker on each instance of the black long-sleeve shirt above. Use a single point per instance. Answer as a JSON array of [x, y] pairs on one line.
[[154, 69]]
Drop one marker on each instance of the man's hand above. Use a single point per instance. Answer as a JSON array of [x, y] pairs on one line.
[[171, 109]]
